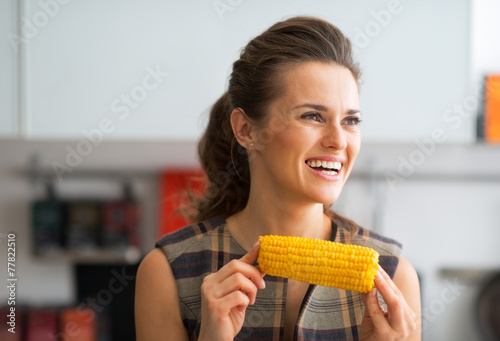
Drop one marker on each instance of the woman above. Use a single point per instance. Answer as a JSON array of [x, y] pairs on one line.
[[278, 148]]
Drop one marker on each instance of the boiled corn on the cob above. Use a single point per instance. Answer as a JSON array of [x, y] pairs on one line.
[[322, 262]]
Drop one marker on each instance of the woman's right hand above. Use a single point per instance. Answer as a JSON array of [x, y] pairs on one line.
[[226, 294]]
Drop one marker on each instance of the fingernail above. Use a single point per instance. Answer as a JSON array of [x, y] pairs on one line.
[[373, 292], [254, 245], [263, 283]]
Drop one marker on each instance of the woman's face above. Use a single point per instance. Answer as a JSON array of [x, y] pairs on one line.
[[308, 147]]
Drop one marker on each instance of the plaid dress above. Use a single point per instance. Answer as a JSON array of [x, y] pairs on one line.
[[326, 313]]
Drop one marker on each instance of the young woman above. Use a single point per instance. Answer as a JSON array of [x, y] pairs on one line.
[[278, 148]]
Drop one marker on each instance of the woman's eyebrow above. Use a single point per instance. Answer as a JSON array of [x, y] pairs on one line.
[[318, 107], [353, 112]]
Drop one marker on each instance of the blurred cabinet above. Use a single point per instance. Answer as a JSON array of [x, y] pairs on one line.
[[152, 69], [8, 69], [485, 29], [82, 228]]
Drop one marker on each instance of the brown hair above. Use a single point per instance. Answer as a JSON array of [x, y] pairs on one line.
[[256, 81]]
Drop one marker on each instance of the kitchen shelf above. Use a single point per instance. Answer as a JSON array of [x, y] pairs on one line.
[[433, 177], [469, 274], [363, 175], [91, 256], [90, 174]]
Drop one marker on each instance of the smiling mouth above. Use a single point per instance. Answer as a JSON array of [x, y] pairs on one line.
[[325, 167]]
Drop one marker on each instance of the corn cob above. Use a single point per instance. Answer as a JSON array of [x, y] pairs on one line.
[[322, 262]]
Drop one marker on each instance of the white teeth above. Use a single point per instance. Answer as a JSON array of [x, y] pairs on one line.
[[325, 164], [328, 172]]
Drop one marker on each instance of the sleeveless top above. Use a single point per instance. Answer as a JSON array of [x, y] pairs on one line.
[[325, 314]]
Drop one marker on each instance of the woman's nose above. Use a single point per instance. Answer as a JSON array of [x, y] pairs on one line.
[[334, 137]]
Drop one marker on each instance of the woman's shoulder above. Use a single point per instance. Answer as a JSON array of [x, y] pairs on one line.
[[187, 232], [188, 237], [348, 232], [384, 243], [389, 249]]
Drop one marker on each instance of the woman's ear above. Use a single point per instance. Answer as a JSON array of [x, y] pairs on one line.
[[242, 128]]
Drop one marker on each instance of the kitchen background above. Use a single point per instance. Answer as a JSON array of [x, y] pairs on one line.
[[101, 96]]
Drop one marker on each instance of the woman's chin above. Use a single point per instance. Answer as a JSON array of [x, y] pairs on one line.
[[326, 198]]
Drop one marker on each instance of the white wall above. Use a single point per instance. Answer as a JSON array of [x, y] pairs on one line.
[[80, 61], [8, 70]]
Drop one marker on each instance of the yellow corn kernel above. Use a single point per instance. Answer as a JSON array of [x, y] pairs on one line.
[[321, 262]]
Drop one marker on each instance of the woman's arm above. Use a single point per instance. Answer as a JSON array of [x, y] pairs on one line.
[[157, 312], [406, 280], [225, 296]]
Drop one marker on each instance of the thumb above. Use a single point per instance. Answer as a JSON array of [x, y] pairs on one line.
[[373, 308], [364, 299], [251, 256]]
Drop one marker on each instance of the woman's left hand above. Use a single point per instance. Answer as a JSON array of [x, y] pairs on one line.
[[399, 322]]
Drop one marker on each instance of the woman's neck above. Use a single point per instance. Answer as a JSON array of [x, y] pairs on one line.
[[261, 217]]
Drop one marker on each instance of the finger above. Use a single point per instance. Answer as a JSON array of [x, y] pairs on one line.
[[388, 279], [364, 298], [409, 313], [251, 256], [374, 310], [238, 282], [236, 299], [244, 266], [395, 303]]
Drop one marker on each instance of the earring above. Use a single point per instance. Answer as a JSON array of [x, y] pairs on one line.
[[251, 146]]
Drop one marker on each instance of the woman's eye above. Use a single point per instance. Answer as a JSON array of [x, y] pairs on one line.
[[312, 117], [353, 121]]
